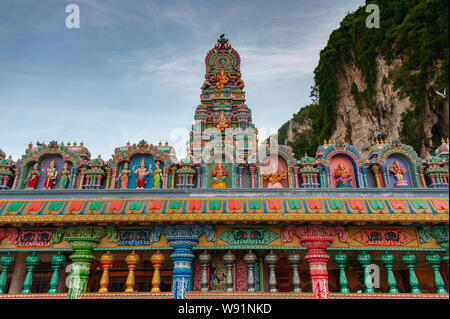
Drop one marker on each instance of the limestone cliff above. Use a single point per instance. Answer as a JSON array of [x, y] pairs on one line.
[[380, 83]]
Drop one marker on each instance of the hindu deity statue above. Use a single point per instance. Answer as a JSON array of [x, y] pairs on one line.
[[157, 174], [223, 124], [274, 177], [51, 174], [33, 177], [343, 176], [398, 172], [141, 172], [220, 175], [221, 79], [124, 175], [65, 176]]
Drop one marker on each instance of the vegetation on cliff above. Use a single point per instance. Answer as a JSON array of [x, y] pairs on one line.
[[415, 31]]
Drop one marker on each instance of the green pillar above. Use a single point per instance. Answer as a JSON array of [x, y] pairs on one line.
[[6, 261], [435, 261], [57, 261], [410, 260], [83, 240], [341, 260], [31, 261], [389, 260], [365, 260]]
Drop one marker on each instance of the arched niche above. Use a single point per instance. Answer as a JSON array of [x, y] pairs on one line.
[[409, 176], [134, 165], [44, 162], [274, 164]]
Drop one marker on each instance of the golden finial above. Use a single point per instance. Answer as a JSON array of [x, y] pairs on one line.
[[75, 143], [160, 143], [68, 143], [10, 156], [128, 143], [167, 144], [390, 141], [81, 144], [325, 142], [378, 142], [447, 140], [442, 141]]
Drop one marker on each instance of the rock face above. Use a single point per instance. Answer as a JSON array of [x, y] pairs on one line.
[[380, 83], [361, 127]]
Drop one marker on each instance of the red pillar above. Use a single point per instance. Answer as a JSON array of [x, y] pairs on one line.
[[316, 239]]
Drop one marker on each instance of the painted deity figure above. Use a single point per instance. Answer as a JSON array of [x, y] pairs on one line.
[[223, 124], [65, 176], [343, 176], [275, 177], [33, 177], [157, 174], [51, 174], [222, 79], [141, 172], [219, 176], [124, 176], [398, 172]]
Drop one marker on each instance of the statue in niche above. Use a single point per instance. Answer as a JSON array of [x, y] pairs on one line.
[[141, 172], [51, 174], [124, 175], [220, 175], [343, 176], [157, 174], [221, 79], [223, 124], [274, 177], [398, 172], [33, 177], [65, 176]]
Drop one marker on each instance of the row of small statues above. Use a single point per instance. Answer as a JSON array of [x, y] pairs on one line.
[[274, 176]]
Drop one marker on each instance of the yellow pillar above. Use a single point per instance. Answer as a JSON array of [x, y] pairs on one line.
[[376, 174], [422, 177], [106, 260], [157, 260], [132, 260]]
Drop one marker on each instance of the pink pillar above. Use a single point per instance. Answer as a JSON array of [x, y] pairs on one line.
[[296, 177]]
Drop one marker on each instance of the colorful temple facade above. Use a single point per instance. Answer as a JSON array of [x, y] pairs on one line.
[[233, 219]]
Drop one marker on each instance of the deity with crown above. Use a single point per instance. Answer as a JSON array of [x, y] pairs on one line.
[[157, 174], [51, 173], [343, 176], [65, 176], [124, 176], [141, 172], [220, 175], [33, 177], [398, 172]]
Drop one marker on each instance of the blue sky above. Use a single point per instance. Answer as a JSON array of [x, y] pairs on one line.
[[133, 69]]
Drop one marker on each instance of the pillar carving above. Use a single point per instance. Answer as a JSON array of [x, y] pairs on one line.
[[316, 239], [294, 258], [157, 260], [107, 260], [182, 238], [229, 259], [205, 259], [250, 259]]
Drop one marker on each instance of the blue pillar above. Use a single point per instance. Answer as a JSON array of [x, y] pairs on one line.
[[182, 238], [198, 171], [364, 176], [328, 171], [321, 180]]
